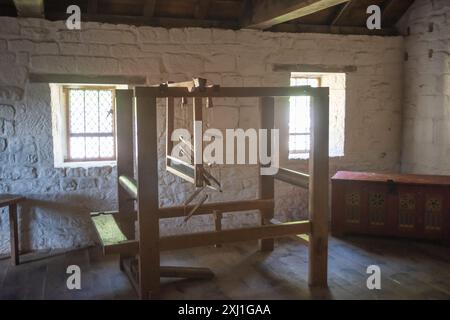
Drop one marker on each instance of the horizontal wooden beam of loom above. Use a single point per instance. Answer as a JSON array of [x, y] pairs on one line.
[[129, 185], [234, 235], [293, 177], [231, 92], [285, 175], [200, 239]]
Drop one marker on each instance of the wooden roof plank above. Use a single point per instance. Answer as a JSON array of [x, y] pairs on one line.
[[149, 8], [341, 12], [268, 13], [201, 9]]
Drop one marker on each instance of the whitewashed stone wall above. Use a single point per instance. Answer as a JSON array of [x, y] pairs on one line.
[[426, 133], [56, 214]]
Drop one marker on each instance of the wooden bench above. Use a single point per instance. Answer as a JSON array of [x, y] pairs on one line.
[[11, 201]]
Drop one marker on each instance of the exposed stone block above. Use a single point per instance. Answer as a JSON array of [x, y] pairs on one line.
[[87, 183], [220, 63], [68, 184], [125, 50], [76, 172], [21, 45], [108, 36], [7, 111], [96, 65], [9, 27], [16, 173], [178, 35], [3, 144], [199, 35], [11, 93], [47, 48], [139, 66], [153, 35], [38, 33], [54, 64], [224, 36], [183, 63]]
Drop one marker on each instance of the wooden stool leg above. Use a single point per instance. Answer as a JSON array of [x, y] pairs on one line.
[[14, 234]]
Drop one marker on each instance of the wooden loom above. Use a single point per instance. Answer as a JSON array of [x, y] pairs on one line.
[[137, 108]]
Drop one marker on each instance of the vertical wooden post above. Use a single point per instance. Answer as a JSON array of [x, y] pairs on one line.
[[147, 198], [266, 183], [124, 151], [198, 143], [14, 234], [319, 189], [170, 124]]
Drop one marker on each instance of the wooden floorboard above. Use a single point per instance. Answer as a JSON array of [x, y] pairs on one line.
[[409, 270]]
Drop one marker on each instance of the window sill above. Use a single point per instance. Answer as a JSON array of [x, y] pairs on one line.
[[85, 164]]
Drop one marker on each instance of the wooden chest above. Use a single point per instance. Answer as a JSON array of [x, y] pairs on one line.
[[403, 205]]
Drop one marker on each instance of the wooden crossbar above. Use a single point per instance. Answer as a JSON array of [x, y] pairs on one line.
[[128, 247], [208, 208], [234, 235], [186, 272], [130, 186], [303, 238], [293, 177], [185, 241], [235, 92]]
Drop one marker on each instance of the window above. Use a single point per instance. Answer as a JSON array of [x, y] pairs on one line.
[[299, 120], [299, 114], [83, 123], [90, 124]]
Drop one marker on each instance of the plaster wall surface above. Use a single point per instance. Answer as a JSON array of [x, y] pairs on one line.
[[426, 132]]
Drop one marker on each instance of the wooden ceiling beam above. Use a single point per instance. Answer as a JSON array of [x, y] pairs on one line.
[[92, 7], [149, 8], [30, 8], [149, 21], [202, 9], [265, 14], [305, 28], [341, 12]]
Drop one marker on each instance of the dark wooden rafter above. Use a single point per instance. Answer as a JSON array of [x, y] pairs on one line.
[[393, 10], [201, 9], [317, 16], [92, 7], [268, 13], [149, 8], [304, 28], [150, 21], [341, 12], [30, 8]]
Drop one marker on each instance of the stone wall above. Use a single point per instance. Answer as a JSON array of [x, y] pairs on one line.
[[426, 133], [56, 214]]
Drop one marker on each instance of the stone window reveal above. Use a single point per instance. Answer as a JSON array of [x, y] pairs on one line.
[[83, 124], [299, 114]]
